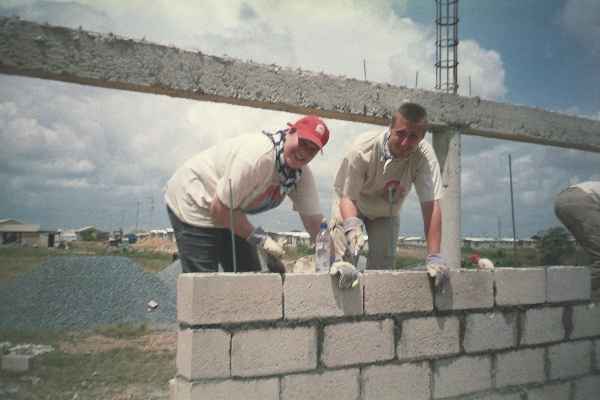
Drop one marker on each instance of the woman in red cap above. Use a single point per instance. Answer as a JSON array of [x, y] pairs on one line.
[[245, 175]]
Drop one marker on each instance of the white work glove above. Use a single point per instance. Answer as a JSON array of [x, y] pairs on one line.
[[354, 230], [272, 250], [438, 270], [348, 277]]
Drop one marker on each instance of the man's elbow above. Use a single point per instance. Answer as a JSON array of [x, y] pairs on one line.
[[218, 212]]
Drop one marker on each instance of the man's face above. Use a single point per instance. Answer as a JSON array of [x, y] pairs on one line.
[[298, 152], [405, 136]]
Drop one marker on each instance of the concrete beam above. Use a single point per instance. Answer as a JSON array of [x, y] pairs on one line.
[[105, 60]]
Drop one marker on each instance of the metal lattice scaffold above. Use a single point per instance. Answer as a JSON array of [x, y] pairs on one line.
[[446, 55]]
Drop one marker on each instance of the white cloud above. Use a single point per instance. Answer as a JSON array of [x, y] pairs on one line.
[[581, 18]]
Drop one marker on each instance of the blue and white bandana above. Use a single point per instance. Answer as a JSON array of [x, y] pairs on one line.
[[387, 154], [288, 177]]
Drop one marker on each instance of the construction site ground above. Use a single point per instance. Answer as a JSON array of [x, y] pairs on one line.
[[117, 362]]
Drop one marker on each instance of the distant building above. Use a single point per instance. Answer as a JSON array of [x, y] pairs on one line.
[[291, 239], [17, 232]]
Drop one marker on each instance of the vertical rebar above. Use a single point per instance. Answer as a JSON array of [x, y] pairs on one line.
[[512, 210], [417, 80], [231, 227], [469, 85], [446, 54]]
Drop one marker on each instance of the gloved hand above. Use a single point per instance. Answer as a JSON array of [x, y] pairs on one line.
[[348, 276], [263, 242], [275, 264], [354, 230], [438, 270]]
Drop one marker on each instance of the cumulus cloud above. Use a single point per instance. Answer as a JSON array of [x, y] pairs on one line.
[[581, 18], [72, 155]]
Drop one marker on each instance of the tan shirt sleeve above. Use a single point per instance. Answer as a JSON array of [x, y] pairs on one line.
[[351, 176], [428, 182], [305, 198]]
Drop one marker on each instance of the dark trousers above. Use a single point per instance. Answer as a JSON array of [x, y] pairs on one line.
[[203, 249]]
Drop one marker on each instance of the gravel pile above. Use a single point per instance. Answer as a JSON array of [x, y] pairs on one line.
[[86, 292]]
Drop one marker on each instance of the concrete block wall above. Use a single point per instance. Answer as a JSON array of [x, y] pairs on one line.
[[509, 334]]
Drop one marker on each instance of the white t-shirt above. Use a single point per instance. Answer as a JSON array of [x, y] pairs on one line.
[[591, 187], [249, 162], [365, 171]]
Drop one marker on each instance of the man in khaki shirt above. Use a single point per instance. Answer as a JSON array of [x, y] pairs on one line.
[[372, 183]]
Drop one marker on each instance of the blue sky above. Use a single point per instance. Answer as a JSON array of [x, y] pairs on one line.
[[548, 63], [73, 155]]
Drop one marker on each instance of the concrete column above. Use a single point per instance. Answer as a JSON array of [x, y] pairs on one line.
[[447, 148]]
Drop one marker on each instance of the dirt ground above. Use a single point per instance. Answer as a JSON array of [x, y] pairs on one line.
[[128, 366]]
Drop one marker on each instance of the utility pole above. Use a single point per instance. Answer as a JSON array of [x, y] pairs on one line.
[[151, 212], [499, 228], [512, 210], [137, 215], [365, 69], [417, 80], [469, 85]]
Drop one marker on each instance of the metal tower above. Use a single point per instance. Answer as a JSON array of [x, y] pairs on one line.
[[446, 56]]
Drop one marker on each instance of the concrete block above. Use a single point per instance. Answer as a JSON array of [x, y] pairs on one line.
[[257, 389], [498, 396], [16, 362], [223, 298], [586, 321], [317, 296], [341, 384], [587, 388], [358, 342], [429, 337], [568, 284], [203, 353], [397, 292], [461, 375], [467, 289], [570, 359], [397, 382], [542, 325], [597, 354], [520, 367], [490, 331], [273, 351], [558, 391], [516, 286]]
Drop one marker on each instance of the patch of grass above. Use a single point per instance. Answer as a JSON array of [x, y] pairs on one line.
[[404, 262], [17, 260], [123, 330], [150, 262]]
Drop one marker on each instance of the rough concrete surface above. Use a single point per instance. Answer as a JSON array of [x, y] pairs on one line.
[[259, 389], [587, 388], [520, 367], [461, 375], [467, 289], [559, 391], [105, 60], [358, 342], [570, 359], [586, 321], [542, 325], [397, 382], [203, 353], [273, 351], [16, 362], [329, 385], [490, 331], [317, 296], [516, 286], [568, 284], [397, 292], [429, 337], [228, 298]]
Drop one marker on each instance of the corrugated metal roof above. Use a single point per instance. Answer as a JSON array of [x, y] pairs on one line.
[[19, 228]]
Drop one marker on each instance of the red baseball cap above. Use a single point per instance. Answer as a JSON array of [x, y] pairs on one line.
[[312, 128]]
